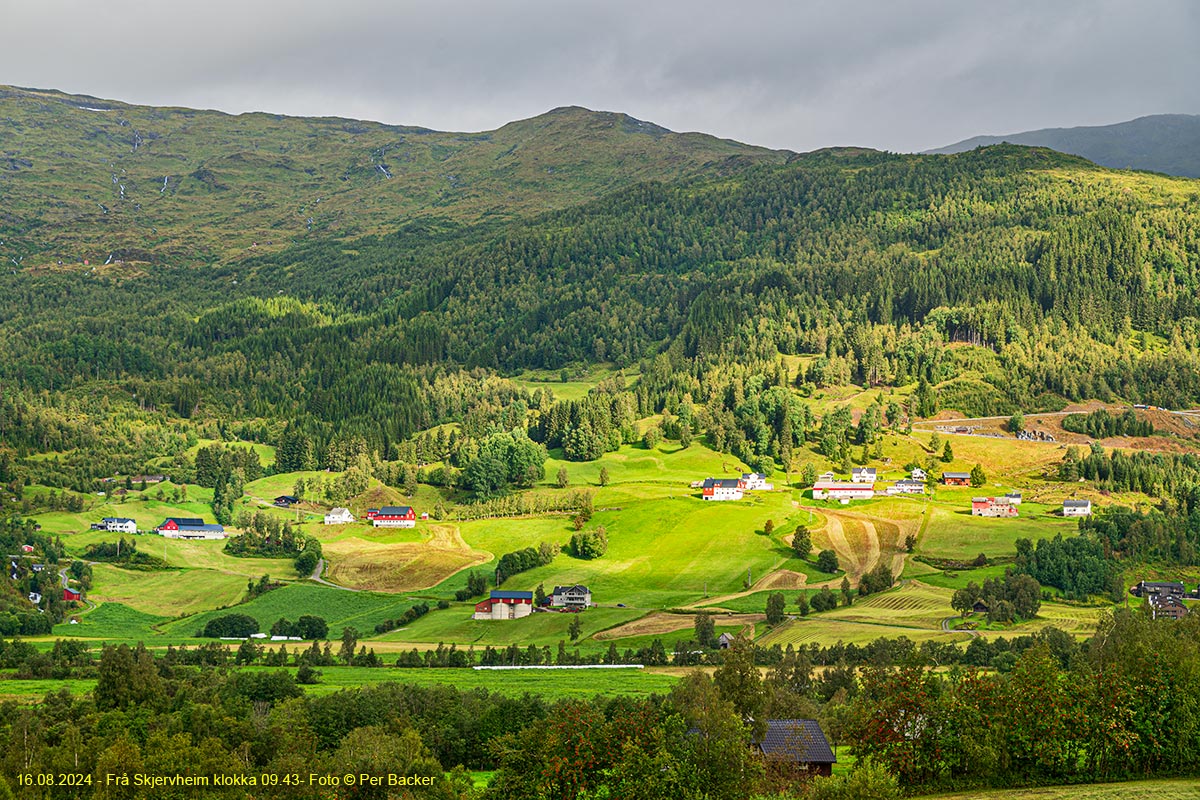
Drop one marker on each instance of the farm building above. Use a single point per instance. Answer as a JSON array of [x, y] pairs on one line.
[[147, 478], [119, 525], [756, 480], [1161, 588], [992, 507], [956, 478], [906, 487], [917, 474], [797, 744], [862, 475], [724, 641], [1013, 498], [827, 476], [71, 594], [841, 490], [1166, 607], [1077, 508], [722, 489], [285, 500], [339, 516], [190, 528], [505, 605], [577, 596], [392, 517]]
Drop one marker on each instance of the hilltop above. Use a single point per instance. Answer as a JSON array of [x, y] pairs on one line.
[[83, 178], [1168, 143]]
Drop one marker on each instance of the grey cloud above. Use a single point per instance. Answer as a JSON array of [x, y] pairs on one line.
[[799, 75]]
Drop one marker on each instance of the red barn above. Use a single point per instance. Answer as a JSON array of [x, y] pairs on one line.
[[393, 517], [71, 594]]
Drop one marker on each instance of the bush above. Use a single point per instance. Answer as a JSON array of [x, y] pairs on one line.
[[589, 544], [827, 561], [868, 779], [238, 626]]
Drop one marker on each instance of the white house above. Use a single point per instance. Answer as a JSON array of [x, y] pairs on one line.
[[862, 475], [339, 516], [906, 487], [1077, 508], [577, 596], [119, 525], [827, 476], [756, 480], [917, 474], [841, 490], [722, 489], [1013, 498], [505, 605]]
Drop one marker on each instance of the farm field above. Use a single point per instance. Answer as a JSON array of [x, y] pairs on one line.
[[1178, 789]]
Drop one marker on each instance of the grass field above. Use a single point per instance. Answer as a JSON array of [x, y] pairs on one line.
[[550, 684], [173, 591], [112, 621], [1178, 789]]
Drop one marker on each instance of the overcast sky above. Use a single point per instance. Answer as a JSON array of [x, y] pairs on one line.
[[785, 73]]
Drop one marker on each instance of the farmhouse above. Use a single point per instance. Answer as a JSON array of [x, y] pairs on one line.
[[190, 528], [841, 490], [286, 500], [956, 478], [1166, 607], [862, 475], [906, 487], [756, 480], [505, 605], [917, 474], [797, 744], [827, 476], [392, 517], [991, 507], [1013, 498], [574, 597], [119, 525], [1077, 508], [339, 516], [722, 489], [1158, 589], [71, 594]]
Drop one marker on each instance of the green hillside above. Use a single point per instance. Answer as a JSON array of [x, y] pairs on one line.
[[84, 178]]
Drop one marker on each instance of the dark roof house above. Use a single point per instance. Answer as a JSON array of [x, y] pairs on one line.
[[797, 743]]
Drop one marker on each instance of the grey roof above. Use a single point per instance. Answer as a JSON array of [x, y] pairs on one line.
[[797, 740], [116, 519], [965, 475], [721, 483], [1076, 503], [579, 587], [395, 511]]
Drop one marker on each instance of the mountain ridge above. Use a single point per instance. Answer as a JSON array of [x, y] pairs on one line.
[[1167, 143], [83, 178]]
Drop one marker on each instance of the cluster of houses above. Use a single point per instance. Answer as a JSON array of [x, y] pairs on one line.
[[1004, 506], [1165, 598], [502, 604], [1035, 436], [733, 488], [861, 485]]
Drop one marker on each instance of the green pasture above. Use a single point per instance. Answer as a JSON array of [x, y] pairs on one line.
[[338, 607], [34, 690], [456, 625], [953, 533], [668, 463], [1176, 789], [141, 507], [112, 622], [166, 592]]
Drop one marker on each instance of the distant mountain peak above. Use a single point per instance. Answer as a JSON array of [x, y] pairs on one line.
[[1168, 143]]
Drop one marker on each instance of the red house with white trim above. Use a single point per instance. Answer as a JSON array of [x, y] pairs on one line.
[[71, 594], [392, 517]]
